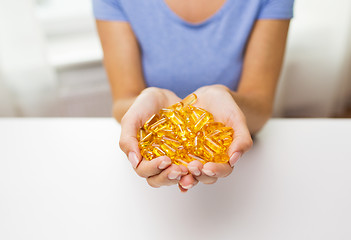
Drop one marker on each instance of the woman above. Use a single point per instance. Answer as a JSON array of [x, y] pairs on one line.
[[229, 52]]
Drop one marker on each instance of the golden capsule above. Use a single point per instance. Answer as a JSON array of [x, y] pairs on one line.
[[198, 151], [178, 107], [169, 150], [204, 118], [208, 153], [211, 126], [147, 154], [227, 131], [221, 158], [174, 117], [167, 132], [157, 150], [158, 125], [193, 117], [171, 141], [226, 141], [151, 121], [146, 141], [185, 133], [181, 152], [141, 133], [148, 138], [181, 132], [209, 142], [180, 161], [193, 157], [190, 99], [216, 134]]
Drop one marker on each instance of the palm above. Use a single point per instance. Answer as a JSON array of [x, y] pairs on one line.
[[220, 104], [151, 102]]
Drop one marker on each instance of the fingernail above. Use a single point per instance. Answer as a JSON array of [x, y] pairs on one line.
[[173, 175], [187, 187], [208, 172], [234, 158], [195, 171], [164, 164], [133, 159]]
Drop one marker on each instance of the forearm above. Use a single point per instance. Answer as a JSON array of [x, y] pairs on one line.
[[256, 110], [121, 106]]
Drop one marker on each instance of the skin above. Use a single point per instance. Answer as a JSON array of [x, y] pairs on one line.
[[246, 110]]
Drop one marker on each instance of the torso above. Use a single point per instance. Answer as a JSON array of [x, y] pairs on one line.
[[186, 44], [195, 11]]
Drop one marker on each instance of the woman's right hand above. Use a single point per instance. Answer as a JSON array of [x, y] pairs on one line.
[[159, 171]]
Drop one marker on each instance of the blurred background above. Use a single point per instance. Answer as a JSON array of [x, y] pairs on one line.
[[51, 61]]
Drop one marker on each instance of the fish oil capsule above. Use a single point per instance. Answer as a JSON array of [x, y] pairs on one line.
[[158, 125], [181, 132], [208, 153], [213, 145], [147, 154], [227, 131], [178, 107], [216, 134], [141, 134], [181, 152], [171, 141], [205, 118], [193, 157], [169, 150], [147, 140], [174, 117], [226, 141], [157, 150], [221, 158], [193, 117], [190, 100], [185, 133], [210, 127], [151, 121], [180, 161]]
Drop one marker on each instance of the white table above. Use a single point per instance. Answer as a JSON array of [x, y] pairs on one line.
[[67, 179]]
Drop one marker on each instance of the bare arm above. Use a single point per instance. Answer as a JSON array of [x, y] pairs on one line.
[[123, 64], [262, 65]]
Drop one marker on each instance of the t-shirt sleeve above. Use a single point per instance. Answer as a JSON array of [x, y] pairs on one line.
[[276, 9], [110, 10]]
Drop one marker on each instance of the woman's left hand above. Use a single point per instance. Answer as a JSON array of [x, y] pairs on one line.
[[218, 100]]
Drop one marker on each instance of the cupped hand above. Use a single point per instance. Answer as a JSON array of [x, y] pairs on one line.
[[218, 100], [159, 171]]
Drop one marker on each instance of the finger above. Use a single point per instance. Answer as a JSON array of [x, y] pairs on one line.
[[136, 115], [128, 140], [148, 168], [242, 138], [188, 181], [183, 190], [196, 166], [218, 170], [168, 177]]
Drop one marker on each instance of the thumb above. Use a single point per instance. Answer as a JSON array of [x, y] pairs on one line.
[[242, 139], [128, 141]]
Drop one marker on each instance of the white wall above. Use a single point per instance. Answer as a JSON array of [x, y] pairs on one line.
[[316, 74], [24, 64]]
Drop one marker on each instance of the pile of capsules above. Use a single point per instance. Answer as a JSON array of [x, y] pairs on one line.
[[185, 133]]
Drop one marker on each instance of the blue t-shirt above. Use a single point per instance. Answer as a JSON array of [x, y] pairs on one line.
[[182, 56]]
